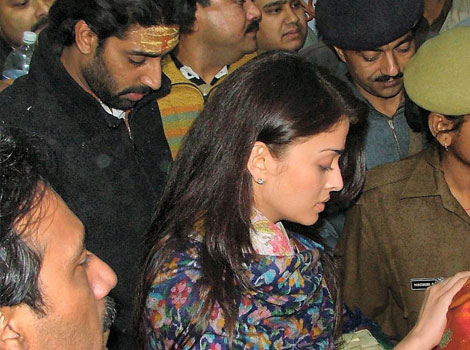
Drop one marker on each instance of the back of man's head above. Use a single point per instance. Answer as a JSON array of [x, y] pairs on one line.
[[107, 17], [21, 188], [364, 24]]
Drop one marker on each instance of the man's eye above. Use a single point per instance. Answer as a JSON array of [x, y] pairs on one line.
[[404, 47], [86, 260], [21, 3], [295, 4], [136, 62], [274, 10], [370, 58]]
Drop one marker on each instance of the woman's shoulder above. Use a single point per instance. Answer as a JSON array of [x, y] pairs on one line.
[[174, 293]]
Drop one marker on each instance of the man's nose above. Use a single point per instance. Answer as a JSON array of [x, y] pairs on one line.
[[291, 15], [42, 8], [390, 64], [102, 278], [252, 12], [152, 75]]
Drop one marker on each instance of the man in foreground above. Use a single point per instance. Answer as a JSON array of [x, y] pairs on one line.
[[53, 290]]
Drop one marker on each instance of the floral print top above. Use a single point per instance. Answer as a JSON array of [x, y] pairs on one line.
[[289, 308]]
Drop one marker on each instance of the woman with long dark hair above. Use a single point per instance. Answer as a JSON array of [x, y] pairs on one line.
[[273, 143]]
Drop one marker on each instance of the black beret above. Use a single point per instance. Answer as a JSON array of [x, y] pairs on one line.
[[365, 24]]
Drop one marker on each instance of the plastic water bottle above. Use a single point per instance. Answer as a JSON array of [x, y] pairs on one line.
[[17, 62]]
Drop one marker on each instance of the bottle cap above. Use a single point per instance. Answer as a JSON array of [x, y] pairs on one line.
[[29, 37]]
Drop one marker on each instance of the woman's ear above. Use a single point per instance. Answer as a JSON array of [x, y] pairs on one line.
[[85, 39], [439, 126], [10, 335], [259, 162]]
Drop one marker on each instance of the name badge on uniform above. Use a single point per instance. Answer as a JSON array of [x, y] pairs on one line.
[[424, 283]]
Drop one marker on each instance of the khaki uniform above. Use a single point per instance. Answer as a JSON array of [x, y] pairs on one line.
[[406, 225]]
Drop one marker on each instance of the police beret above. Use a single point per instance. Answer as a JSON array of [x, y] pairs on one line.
[[365, 24], [437, 78]]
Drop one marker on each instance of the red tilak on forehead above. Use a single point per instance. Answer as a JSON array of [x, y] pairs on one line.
[[159, 38]]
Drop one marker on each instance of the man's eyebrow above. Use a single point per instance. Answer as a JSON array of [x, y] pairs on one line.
[[275, 3], [144, 53], [407, 39]]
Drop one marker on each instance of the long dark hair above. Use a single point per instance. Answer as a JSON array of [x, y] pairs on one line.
[[275, 98]]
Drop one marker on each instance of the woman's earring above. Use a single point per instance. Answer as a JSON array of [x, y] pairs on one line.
[[260, 181], [445, 146]]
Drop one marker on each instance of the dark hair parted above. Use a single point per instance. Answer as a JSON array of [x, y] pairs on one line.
[[22, 184], [277, 98], [109, 17]]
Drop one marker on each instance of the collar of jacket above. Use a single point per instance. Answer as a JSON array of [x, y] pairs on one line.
[[427, 180], [170, 70], [423, 180], [47, 68]]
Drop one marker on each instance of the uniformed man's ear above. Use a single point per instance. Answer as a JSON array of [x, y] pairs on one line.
[[85, 39], [340, 53], [439, 126], [11, 337]]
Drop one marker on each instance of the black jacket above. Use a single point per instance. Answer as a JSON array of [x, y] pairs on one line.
[[5, 50], [108, 178]]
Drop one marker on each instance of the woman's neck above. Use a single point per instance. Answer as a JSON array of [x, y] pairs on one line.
[[457, 176]]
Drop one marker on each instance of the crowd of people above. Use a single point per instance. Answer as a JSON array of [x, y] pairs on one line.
[[248, 179]]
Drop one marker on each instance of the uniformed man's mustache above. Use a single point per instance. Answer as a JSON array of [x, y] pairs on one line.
[[384, 78], [39, 24]]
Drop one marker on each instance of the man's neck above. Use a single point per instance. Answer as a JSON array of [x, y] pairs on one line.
[[206, 62], [432, 9], [386, 106]]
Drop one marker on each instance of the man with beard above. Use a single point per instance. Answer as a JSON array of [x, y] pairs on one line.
[[16, 17], [91, 94], [219, 37], [53, 290]]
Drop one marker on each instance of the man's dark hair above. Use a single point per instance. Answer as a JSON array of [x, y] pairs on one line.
[[22, 185], [186, 13], [110, 17]]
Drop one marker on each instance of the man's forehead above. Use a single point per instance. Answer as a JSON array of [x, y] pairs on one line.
[[398, 41], [56, 227], [155, 39]]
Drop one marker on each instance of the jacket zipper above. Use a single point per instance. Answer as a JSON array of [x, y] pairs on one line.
[[390, 123]]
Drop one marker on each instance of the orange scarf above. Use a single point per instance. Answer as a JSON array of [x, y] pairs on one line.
[[457, 333]]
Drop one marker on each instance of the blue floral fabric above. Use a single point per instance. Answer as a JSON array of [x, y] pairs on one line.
[[290, 306]]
